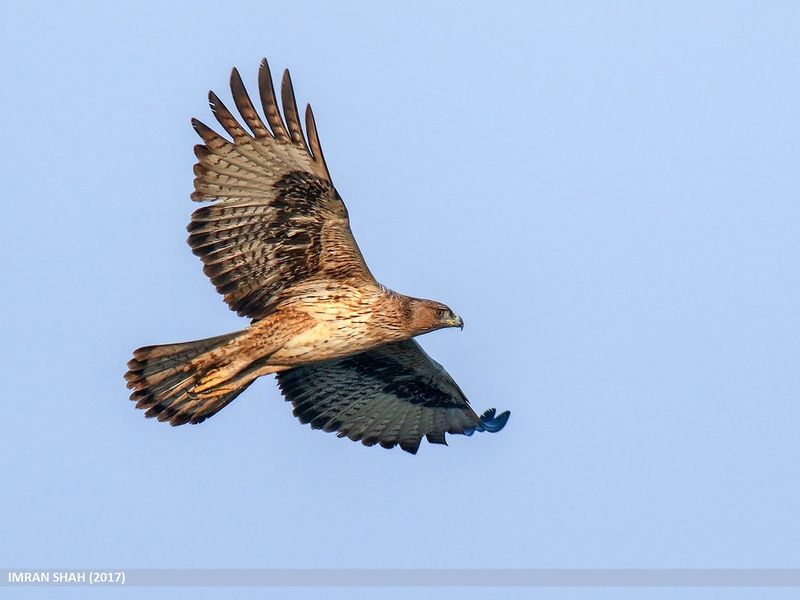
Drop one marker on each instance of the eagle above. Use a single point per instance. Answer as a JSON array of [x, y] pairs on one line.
[[276, 242]]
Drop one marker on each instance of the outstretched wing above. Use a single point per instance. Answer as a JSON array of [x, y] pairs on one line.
[[394, 394], [276, 220]]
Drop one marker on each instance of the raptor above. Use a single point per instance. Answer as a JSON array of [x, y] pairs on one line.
[[275, 239]]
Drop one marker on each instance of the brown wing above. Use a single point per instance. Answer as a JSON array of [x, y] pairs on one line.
[[394, 394], [276, 220]]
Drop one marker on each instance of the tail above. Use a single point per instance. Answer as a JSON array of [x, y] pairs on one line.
[[189, 382]]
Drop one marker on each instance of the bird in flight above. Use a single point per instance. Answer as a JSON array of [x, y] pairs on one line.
[[275, 241]]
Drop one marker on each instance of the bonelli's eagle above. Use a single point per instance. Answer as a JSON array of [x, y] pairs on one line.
[[276, 242]]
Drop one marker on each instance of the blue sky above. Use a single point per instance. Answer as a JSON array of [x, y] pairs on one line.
[[606, 192]]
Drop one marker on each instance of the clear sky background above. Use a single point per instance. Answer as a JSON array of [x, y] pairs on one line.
[[607, 192]]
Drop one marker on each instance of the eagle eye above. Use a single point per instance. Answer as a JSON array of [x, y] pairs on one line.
[[441, 313]]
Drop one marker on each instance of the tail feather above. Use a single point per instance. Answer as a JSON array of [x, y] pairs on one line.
[[164, 378]]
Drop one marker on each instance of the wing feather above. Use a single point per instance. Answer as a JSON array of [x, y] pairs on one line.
[[226, 119], [224, 165], [392, 395], [267, 92], [313, 138], [246, 108], [290, 111], [276, 221]]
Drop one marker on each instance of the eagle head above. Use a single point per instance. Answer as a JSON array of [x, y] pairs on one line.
[[429, 315]]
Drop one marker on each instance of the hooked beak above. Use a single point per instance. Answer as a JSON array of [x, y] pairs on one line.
[[458, 322]]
